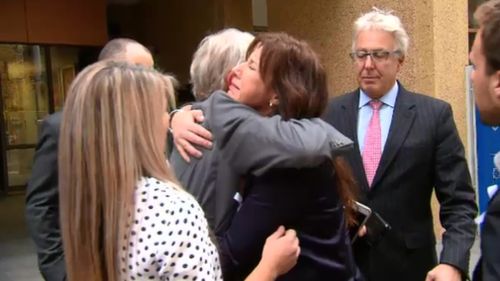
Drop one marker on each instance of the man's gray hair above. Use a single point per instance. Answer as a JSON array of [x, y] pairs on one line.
[[385, 20], [216, 55], [116, 49]]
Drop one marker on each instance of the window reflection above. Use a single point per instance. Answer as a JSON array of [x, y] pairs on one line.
[[34, 81], [25, 100], [64, 61]]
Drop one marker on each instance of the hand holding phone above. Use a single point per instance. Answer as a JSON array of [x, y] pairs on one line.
[[375, 226], [363, 213]]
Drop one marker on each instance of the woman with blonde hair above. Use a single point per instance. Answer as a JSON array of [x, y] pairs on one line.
[[123, 214]]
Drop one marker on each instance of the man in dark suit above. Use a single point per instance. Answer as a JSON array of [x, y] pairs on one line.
[[406, 146], [42, 195], [485, 56]]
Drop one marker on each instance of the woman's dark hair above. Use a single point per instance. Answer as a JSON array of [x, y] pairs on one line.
[[291, 69], [347, 188]]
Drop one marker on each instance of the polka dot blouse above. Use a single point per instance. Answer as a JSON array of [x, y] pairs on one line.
[[169, 237]]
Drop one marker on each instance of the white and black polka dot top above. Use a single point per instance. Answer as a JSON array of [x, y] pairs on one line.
[[169, 237]]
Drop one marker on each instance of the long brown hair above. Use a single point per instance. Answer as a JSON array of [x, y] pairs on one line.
[[109, 139], [291, 69]]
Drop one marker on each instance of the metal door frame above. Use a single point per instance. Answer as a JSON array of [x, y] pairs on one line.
[[3, 149]]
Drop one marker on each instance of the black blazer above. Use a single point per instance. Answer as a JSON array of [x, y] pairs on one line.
[[488, 267], [303, 199], [423, 152], [42, 202]]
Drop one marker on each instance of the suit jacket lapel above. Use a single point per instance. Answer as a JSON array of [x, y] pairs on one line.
[[351, 108], [494, 203], [402, 120]]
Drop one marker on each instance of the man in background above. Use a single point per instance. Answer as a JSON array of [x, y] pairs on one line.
[[42, 195], [485, 57]]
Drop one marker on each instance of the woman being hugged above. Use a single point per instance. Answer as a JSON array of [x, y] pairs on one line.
[[283, 76], [123, 215]]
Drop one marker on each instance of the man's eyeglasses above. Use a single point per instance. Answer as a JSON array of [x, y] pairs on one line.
[[376, 55]]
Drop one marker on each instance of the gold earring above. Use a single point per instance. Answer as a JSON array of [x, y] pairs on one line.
[[270, 103]]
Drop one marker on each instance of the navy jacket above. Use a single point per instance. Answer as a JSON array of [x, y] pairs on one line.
[[303, 199]]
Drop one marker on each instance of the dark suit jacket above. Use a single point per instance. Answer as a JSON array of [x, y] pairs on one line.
[[488, 268], [305, 200], [423, 153], [42, 202]]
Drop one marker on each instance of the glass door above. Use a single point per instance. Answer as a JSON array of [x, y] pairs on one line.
[[25, 102]]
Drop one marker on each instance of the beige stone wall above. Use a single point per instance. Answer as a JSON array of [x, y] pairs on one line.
[[436, 58], [450, 25], [451, 57], [327, 25]]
